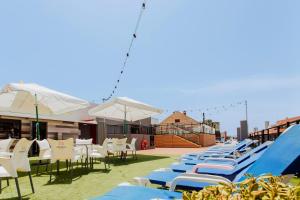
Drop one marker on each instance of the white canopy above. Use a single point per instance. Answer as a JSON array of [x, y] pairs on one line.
[[20, 98], [124, 108]]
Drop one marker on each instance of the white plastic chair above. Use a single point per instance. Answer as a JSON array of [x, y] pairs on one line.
[[86, 148], [17, 161], [131, 147], [44, 154], [5, 146], [63, 150], [8, 170], [119, 147], [101, 152]]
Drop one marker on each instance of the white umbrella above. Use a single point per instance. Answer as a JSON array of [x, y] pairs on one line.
[[22, 98], [32, 98], [124, 108]]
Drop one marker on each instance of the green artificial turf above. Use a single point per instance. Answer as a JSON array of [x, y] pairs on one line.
[[85, 183], [295, 181]]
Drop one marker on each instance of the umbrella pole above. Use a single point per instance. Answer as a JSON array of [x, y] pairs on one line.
[[37, 125]]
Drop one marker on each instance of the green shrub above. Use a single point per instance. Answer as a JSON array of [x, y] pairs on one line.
[[266, 187]]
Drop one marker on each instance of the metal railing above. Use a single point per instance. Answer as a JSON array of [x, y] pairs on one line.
[[273, 132], [181, 129]]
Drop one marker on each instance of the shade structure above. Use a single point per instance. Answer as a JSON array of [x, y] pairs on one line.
[[124, 108], [23, 98], [32, 98]]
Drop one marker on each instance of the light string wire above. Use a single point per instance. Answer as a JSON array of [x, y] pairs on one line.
[[213, 110], [134, 36]]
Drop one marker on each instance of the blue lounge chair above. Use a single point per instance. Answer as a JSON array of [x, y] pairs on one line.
[[283, 154], [188, 164], [218, 151], [226, 168], [139, 192]]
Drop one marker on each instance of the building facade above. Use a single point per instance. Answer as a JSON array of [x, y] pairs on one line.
[[180, 130]]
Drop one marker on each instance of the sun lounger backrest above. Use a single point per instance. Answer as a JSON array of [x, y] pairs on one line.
[[281, 156], [254, 151], [242, 144]]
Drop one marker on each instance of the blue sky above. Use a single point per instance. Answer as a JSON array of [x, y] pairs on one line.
[[189, 54]]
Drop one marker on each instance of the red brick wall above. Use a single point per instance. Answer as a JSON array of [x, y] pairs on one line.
[[207, 140], [169, 141]]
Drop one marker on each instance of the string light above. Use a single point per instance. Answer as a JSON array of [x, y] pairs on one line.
[[134, 36], [215, 109]]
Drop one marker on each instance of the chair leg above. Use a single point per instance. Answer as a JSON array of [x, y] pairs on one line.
[[31, 183], [57, 166], [0, 186], [7, 182], [47, 166], [38, 167], [71, 170], [18, 188], [86, 162], [50, 172], [108, 161], [67, 164]]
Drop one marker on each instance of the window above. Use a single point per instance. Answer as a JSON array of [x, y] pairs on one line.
[[10, 128], [177, 120]]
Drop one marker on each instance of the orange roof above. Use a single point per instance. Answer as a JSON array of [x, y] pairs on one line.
[[284, 121]]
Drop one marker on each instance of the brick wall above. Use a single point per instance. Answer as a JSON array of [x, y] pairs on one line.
[[170, 141], [207, 140]]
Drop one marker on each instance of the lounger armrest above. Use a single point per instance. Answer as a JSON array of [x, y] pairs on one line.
[[200, 178], [228, 160], [163, 170], [216, 155], [212, 166], [203, 157], [215, 151], [141, 181]]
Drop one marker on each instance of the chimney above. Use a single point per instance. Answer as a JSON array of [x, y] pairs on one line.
[[184, 112]]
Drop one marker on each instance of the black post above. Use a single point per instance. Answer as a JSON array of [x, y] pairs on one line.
[[278, 131]]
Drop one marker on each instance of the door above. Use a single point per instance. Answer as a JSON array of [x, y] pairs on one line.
[[88, 131]]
